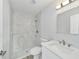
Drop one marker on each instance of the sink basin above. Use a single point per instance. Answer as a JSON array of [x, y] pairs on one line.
[[61, 50]]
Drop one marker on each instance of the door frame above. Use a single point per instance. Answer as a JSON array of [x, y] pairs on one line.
[[7, 41]]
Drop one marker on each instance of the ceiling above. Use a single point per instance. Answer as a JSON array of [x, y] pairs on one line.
[[29, 7]]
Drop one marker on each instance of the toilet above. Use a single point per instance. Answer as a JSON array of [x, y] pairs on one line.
[[36, 52]]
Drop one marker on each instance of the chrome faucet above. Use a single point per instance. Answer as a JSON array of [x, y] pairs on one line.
[[69, 45], [62, 42]]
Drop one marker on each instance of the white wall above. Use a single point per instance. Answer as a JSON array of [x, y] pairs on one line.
[[6, 28], [24, 33], [1, 22], [48, 22]]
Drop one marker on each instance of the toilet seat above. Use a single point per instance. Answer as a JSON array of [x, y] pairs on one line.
[[35, 51]]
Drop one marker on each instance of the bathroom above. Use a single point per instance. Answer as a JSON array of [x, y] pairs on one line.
[[30, 27]]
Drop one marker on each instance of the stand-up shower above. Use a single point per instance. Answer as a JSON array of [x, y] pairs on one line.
[[21, 27]]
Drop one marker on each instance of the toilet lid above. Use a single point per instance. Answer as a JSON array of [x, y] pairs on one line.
[[35, 50]]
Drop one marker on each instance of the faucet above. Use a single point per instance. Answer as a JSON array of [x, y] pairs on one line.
[[69, 45], [62, 42]]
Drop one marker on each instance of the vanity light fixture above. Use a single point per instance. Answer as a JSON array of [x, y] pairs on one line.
[[64, 3], [59, 6]]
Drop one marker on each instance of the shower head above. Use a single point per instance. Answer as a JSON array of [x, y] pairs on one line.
[[34, 1]]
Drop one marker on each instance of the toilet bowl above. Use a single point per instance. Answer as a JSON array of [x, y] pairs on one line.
[[36, 52]]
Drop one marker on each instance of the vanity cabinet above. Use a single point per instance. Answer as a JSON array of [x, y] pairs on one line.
[[47, 54]]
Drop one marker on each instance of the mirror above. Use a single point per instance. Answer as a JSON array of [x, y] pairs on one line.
[[74, 24], [68, 22]]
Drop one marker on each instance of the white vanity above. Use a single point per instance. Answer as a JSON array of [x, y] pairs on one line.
[[54, 50], [47, 54]]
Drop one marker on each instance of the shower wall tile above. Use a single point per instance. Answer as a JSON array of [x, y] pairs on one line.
[[24, 33]]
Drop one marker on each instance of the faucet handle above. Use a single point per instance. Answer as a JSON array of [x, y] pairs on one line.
[[64, 43], [63, 40], [69, 45], [59, 41]]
